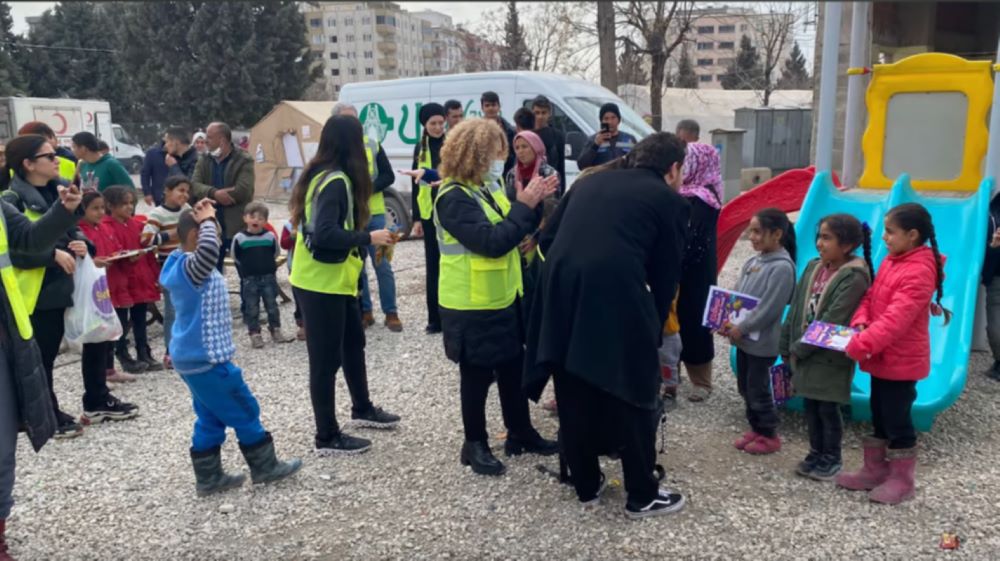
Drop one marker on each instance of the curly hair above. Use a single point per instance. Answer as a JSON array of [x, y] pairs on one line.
[[470, 148]]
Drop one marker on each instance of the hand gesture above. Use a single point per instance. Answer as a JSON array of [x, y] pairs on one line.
[[602, 137], [170, 160], [527, 245], [383, 237], [734, 333], [65, 261], [418, 229], [223, 197], [78, 248], [204, 210], [101, 262], [995, 242], [537, 190], [416, 174], [149, 200], [70, 197]]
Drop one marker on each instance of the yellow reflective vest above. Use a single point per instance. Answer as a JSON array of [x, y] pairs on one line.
[[316, 276], [12, 287], [30, 280], [425, 204], [469, 281], [376, 204]]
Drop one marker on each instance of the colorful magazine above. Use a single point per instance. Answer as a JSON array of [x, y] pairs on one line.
[[828, 335], [727, 306], [781, 383]]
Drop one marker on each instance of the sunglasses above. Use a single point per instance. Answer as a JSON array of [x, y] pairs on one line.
[[50, 155]]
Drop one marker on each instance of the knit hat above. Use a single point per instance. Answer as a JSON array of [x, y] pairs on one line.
[[610, 108], [430, 110]]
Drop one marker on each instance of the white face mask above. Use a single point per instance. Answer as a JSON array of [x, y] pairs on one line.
[[495, 172], [216, 153]]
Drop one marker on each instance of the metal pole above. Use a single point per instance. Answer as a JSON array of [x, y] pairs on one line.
[[993, 152], [828, 86], [853, 126]]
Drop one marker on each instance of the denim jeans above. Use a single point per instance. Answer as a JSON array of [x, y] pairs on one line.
[[255, 289], [222, 399], [753, 378], [826, 428], [383, 272]]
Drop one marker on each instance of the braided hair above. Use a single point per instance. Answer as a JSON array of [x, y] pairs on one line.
[[850, 231], [913, 216], [772, 219]]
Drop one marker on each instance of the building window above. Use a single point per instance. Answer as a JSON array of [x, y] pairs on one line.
[[727, 45], [720, 77], [332, 22], [317, 39], [743, 27], [354, 72], [334, 56], [705, 46], [316, 22], [367, 20], [350, 38], [706, 29], [336, 88], [348, 21], [369, 71], [386, 20], [705, 62], [333, 38], [335, 72], [727, 29], [705, 78], [367, 37], [368, 54]]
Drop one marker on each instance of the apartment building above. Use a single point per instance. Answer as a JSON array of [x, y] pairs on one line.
[[443, 43], [715, 39]]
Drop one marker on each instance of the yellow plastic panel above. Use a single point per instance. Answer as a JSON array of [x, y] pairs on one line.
[[929, 73]]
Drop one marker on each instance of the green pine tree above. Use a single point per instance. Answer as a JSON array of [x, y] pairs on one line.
[[795, 74], [686, 78], [746, 72], [11, 76], [515, 55]]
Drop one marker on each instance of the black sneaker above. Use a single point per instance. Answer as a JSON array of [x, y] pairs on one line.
[[667, 502], [343, 445], [994, 372], [114, 410], [826, 469], [806, 466], [67, 427], [597, 496], [432, 329], [375, 418]]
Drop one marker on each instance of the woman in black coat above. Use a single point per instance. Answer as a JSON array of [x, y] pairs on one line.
[[479, 230], [612, 261]]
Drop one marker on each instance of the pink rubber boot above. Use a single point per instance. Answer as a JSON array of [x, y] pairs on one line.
[[899, 486], [874, 471]]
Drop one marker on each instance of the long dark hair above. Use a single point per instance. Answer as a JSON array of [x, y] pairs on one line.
[[850, 231], [22, 148], [772, 219], [913, 216], [341, 147]]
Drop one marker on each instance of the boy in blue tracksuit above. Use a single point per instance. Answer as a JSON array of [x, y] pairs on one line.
[[201, 348]]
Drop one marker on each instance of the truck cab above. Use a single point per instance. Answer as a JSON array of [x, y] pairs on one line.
[[125, 149]]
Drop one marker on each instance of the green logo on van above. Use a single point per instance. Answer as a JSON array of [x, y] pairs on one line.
[[375, 121]]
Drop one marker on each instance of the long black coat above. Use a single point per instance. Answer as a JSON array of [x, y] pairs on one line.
[[612, 262]]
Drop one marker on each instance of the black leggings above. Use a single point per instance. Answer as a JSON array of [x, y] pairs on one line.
[[475, 388], [826, 428], [891, 402], [432, 262], [134, 317], [49, 327], [334, 338], [95, 368]]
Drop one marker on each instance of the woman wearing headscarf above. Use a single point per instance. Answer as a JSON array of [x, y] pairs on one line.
[[612, 261], [702, 188], [479, 229], [426, 157]]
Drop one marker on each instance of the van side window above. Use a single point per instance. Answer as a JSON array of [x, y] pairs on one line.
[[559, 119]]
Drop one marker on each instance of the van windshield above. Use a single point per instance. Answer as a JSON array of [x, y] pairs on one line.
[[632, 123]]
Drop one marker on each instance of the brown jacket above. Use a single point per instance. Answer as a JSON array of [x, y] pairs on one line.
[[239, 175]]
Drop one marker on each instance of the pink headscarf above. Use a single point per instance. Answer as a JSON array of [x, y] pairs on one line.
[[538, 146], [702, 174]]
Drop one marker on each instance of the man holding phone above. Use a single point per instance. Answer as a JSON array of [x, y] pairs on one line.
[[609, 143]]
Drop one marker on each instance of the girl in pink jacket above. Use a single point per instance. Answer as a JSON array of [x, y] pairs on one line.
[[894, 347]]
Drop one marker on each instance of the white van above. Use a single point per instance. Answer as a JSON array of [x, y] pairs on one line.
[[389, 112]]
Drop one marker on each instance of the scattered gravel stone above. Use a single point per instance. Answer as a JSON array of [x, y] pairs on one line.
[[227, 508]]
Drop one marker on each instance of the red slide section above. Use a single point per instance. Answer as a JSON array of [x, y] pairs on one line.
[[786, 192]]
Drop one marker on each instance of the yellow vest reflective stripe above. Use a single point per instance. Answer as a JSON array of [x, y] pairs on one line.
[[469, 281], [67, 169], [327, 278], [12, 288], [30, 280], [376, 204], [425, 204]]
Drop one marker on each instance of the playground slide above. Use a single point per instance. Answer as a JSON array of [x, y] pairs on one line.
[[961, 225]]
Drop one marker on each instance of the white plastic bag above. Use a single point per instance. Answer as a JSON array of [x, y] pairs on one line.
[[92, 319]]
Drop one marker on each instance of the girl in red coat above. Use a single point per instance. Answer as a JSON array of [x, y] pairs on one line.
[[141, 287], [894, 347]]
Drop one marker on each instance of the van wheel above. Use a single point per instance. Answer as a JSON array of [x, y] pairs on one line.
[[397, 212], [135, 165]]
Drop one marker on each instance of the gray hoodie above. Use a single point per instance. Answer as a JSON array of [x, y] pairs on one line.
[[770, 277]]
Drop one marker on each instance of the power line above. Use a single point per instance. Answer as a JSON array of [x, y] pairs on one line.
[[54, 48]]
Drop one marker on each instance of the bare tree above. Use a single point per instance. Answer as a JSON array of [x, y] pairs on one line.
[[630, 67], [606, 41], [657, 29], [478, 54], [772, 28], [551, 36]]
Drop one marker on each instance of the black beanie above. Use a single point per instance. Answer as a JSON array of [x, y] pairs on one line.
[[430, 110], [610, 108]]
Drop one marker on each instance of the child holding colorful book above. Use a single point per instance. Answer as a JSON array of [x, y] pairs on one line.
[[830, 290]]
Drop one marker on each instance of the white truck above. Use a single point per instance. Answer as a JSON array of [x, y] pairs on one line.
[[388, 111], [68, 117]]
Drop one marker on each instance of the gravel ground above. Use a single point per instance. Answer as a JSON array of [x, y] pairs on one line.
[[126, 491]]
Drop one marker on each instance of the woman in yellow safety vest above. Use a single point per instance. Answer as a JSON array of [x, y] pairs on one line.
[[478, 232], [24, 397], [427, 156], [64, 156], [45, 279], [329, 209]]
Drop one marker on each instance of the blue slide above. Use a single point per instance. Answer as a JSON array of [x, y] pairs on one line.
[[961, 226]]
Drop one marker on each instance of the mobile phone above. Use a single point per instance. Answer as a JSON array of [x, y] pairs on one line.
[[604, 127]]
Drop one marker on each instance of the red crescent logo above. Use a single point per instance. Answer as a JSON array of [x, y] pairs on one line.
[[65, 124], [90, 117]]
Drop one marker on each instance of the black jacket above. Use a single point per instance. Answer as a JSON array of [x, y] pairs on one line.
[[434, 145], [555, 152], [510, 133], [612, 262], [57, 286], [386, 177], [485, 338], [991, 263], [185, 164], [329, 241], [24, 361]]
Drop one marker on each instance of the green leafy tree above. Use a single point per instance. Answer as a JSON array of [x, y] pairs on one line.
[[11, 77], [795, 74], [746, 72]]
